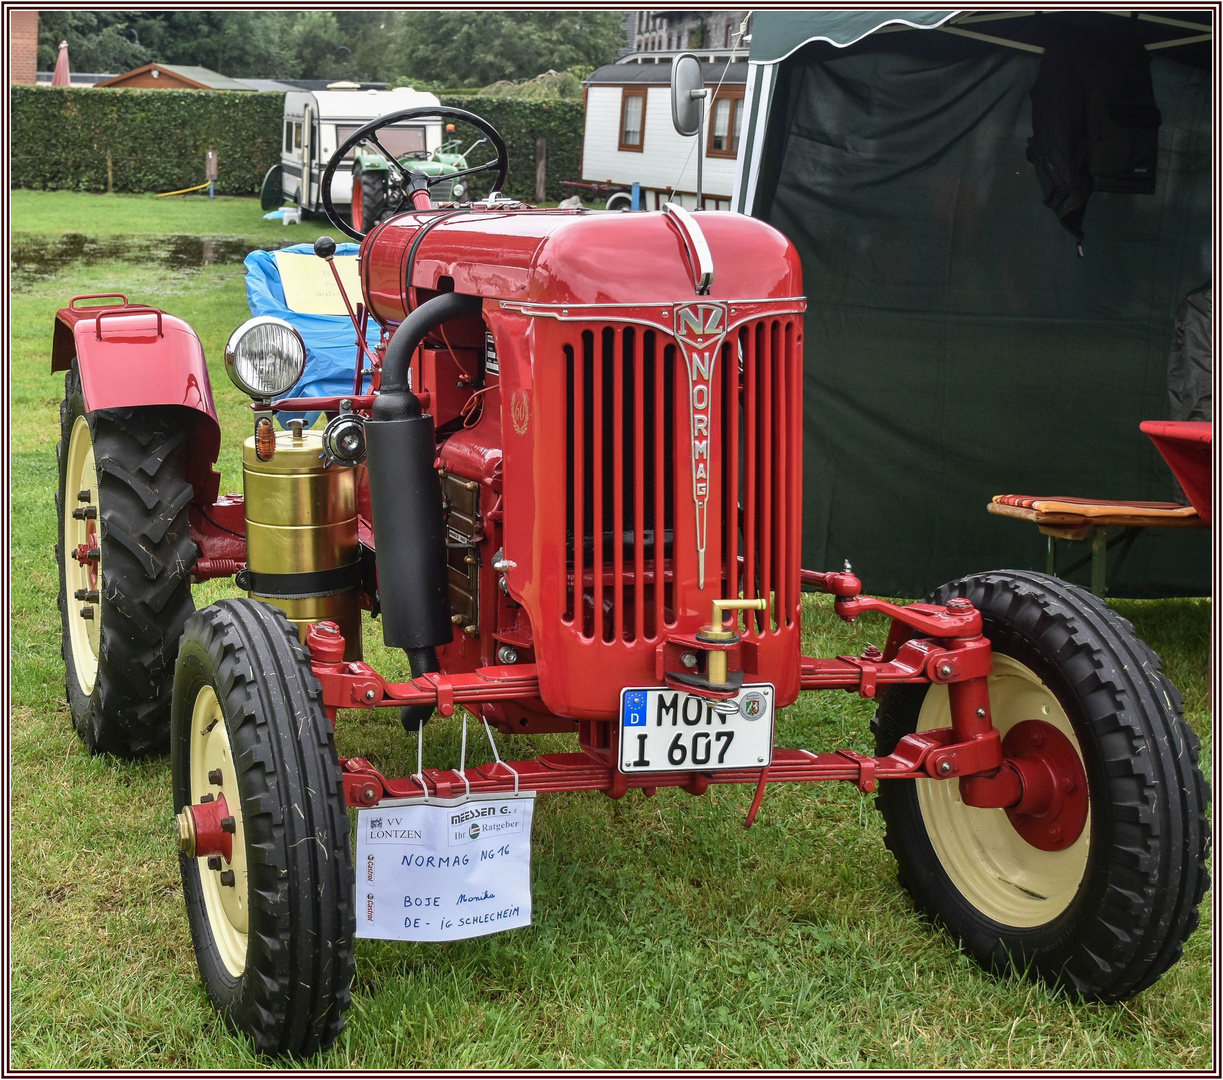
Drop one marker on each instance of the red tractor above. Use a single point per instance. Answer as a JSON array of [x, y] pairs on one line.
[[573, 499]]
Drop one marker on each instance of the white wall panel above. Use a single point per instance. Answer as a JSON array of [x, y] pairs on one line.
[[667, 159]]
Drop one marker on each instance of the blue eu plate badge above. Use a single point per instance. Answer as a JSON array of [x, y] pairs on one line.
[[634, 708]]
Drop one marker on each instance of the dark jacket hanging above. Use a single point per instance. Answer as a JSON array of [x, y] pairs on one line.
[[1095, 126]]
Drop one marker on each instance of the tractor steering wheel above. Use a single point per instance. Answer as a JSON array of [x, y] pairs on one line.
[[368, 134]]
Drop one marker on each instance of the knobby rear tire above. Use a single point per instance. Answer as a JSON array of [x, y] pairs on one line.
[[119, 687], [1147, 840], [373, 199]]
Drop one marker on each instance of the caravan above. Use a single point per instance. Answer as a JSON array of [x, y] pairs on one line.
[[315, 123]]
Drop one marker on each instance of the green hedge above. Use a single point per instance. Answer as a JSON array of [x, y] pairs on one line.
[[156, 138], [521, 123]]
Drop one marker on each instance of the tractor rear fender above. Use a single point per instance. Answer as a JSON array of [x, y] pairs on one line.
[[133, 356]]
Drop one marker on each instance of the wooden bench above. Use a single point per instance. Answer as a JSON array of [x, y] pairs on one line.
[[1075, 519]]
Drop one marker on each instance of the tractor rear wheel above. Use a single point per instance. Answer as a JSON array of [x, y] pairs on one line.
[[369, 199], [273, 922], [125, 556], [1103, 910]]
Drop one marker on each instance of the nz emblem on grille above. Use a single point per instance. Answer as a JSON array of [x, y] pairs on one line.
[[699, 329]]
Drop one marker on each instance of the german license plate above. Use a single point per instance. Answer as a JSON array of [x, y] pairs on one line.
[[663, 730]]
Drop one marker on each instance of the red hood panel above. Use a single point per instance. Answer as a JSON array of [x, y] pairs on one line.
[[568, 257]]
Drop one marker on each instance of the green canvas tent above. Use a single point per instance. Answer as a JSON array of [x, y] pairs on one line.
[[957, 345]]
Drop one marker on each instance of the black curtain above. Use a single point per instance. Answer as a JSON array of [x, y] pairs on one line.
[[956, 345]]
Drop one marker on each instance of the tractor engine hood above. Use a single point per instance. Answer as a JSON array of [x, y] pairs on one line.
[[574, 257]]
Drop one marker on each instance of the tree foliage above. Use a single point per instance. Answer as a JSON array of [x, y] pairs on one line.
[[235, 43], [475, 48], [241, 44], [319, 46], [550, 86], [368, 37], [97, 40], [445, 48]]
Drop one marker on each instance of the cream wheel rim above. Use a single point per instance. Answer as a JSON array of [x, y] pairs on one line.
[[227, 906], [994, 868], [81, 479]]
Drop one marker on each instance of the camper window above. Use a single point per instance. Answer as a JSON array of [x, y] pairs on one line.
[[288, 136], [632, 120], [400, 141], [297, 136], [726, 122]]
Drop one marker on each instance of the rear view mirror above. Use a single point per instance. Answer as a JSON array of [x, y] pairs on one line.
[[687, 94]]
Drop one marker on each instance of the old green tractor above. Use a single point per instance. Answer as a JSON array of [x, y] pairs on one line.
[[378, 179]]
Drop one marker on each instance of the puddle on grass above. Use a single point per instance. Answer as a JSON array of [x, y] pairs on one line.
[[36, 259]]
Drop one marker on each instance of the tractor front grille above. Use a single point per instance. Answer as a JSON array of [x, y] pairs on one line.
[[762, 470], [631, 539], [620, 484]]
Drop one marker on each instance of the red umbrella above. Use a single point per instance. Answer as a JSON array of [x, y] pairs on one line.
[[61, 76]]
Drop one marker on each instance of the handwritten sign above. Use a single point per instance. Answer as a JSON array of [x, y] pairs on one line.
[[309, 286], [444, 872]]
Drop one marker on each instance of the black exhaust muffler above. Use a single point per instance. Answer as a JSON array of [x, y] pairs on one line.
[[406, 496]]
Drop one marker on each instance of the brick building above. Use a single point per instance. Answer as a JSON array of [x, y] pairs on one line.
[[23, 46]]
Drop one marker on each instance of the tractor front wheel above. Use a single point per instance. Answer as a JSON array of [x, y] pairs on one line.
[[262, 829], [125, 556], [1098, 906]]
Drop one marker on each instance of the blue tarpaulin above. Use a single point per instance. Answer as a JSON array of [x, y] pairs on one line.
[[331, 340]]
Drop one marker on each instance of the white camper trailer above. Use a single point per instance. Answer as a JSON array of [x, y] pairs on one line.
[[629, 137], [316, 122]]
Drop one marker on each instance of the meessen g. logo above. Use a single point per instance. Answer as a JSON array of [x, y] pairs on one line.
[[476, 822], [474, 812]]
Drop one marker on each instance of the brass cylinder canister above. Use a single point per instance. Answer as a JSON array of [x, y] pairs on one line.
[[301, 519]]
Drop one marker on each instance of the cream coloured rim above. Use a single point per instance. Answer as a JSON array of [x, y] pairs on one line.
[[227, 906], [994, 868], [81, 478]]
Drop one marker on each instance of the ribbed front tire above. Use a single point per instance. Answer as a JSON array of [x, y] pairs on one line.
[[273, 927], [1104, 917]]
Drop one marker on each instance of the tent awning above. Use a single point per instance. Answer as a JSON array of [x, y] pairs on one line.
[[776, 34]]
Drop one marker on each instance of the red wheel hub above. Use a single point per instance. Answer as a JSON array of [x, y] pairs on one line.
[[87, 554], [212, 837], [1052, 810]]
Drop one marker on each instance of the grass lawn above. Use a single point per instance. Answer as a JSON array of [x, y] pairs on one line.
[[58, 212], [664, 935]]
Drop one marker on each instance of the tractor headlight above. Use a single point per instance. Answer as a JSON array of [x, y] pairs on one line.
[[265, 356], [459, 190]]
